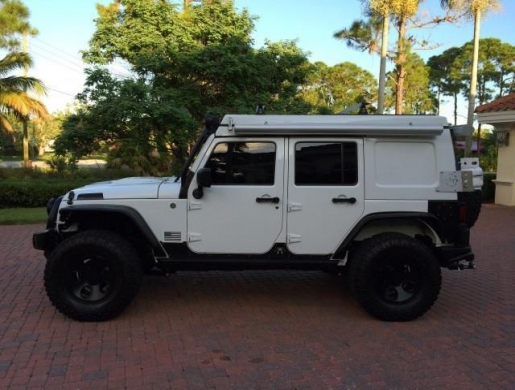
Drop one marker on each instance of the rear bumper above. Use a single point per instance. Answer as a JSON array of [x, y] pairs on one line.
[[451, 257]]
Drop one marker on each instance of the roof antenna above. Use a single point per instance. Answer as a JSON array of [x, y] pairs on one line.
[[362, 107], [260, 109]]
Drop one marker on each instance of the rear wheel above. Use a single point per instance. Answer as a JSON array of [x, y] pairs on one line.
[[93, 275], [395, 277]]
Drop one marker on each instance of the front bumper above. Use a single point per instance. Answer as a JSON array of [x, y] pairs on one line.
[[45, 241]]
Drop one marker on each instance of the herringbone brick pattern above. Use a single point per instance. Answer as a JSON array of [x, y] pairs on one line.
[[263, 330]]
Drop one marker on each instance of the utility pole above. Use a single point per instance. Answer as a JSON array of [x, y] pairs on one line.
[[26, 162], [382, 70], [473, 82]]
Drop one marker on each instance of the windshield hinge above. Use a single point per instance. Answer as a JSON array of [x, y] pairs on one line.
[[194, 206], [192, 237], [230, 126]]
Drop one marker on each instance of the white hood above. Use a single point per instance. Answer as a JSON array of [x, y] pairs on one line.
[[129, 188]]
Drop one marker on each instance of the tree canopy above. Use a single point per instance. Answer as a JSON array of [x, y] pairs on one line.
[[184, 65], [330, 89], [14, 16]]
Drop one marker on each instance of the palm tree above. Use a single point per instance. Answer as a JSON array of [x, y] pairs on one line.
[[14, 91], [474, 9], [402, 11], [382, 8], [368, 35], [364, 35]]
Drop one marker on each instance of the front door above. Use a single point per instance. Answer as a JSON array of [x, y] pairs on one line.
[[242, 211], [325, 193]]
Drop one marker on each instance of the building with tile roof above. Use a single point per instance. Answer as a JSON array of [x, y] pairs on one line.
[[501, 114]]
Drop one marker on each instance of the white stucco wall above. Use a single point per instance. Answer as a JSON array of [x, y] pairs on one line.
[[505, 182]]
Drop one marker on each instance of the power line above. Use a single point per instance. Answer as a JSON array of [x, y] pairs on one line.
[[75, 57], [64, 93], [81, 66], [59, 63], [57, 56], [56, 48]]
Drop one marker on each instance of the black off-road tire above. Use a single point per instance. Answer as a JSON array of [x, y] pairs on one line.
[[93, 275], [473, 200], [395, 277]]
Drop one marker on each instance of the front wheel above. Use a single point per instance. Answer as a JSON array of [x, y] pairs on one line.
[[93, 275], [395, 277]]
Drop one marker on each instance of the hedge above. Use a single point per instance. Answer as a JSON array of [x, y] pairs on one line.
[[36, 192], [32, 187]]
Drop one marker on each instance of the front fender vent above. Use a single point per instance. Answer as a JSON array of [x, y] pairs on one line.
[[91, 196], [173, 237]]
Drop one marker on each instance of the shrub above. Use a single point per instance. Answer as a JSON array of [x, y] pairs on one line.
[[62, 164], [35, 193], [26, 187]]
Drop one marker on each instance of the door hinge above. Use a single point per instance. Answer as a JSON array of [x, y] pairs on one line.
[[294, 238], [294, 207], [192, 237], [194, 206]]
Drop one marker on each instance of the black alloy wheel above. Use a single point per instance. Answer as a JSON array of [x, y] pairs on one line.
[[93, 275]]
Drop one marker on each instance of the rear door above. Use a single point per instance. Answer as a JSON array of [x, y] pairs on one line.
[[325, 193]]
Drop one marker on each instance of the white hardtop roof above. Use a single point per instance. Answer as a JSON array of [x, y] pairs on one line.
[[355, 125]]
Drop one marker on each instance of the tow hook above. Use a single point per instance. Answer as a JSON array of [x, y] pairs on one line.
[[462, 266]]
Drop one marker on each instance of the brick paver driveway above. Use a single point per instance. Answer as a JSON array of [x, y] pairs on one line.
[[263, 330]]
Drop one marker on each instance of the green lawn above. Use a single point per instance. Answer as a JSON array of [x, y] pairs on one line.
[[21, 216]]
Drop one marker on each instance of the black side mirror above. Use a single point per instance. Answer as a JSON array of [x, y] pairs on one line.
[[204, 179]]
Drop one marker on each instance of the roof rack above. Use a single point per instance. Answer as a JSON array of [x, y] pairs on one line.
[[356, 125]]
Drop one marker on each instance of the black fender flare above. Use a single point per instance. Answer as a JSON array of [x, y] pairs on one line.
[[67, 213], [430, 219]]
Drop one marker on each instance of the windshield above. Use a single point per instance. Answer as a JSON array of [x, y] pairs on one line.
[[193, 155], [212, 123]]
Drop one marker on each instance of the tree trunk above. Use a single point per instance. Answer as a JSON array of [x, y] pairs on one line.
[[401, 71], [438, 100], [473, 80], [455, 108], [382, 68], [26, 156]]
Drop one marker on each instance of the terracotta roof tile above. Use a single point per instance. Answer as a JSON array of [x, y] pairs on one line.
[[505, 103]]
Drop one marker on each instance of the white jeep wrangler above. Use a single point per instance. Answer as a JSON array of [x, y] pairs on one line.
[[377, 196]]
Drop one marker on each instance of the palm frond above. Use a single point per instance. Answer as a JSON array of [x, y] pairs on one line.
[[21, 84], [361, 35], [14, 61], [22, 105], [4, 124]]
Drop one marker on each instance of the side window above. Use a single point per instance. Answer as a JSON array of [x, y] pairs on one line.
[[326, 163], [243, 163]]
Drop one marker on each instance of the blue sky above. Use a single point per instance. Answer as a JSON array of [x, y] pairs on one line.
[[65, 28]]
